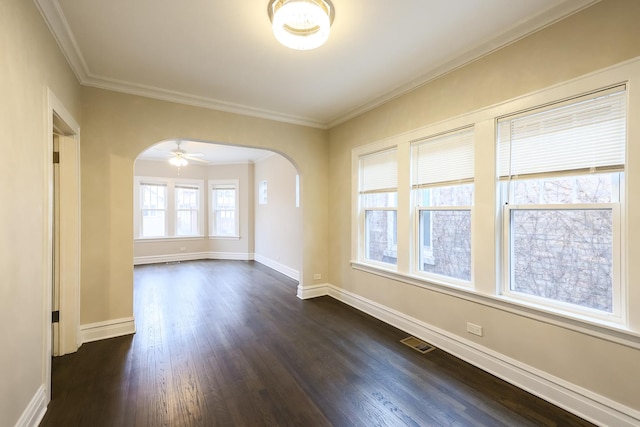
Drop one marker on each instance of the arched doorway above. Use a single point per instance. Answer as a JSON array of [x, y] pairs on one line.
[[203, 200]]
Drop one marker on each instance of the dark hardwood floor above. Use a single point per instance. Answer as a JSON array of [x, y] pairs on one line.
[[227, 343]]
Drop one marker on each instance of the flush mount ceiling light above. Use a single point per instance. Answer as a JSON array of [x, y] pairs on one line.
[[301, 24]]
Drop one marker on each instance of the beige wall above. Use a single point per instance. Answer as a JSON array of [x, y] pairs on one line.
[[232, 247], [278, 223], [30, 61], [116, 128], [602, 35]]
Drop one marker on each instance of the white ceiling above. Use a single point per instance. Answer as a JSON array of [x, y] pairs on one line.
[[211, 154], [221, 53]]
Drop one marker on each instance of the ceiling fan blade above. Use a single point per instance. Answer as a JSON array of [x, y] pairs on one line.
[[190, 157]]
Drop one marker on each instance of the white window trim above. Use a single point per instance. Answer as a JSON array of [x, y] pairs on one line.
[[169, 239], [485, 287], [212, 183], [362, 242], [170, 211]]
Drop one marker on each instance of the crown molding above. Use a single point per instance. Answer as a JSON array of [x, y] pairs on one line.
[[516, 32], [197, 101], [59, 27]]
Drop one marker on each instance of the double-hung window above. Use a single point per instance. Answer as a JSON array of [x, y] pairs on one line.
[[224, 209], [187, 209], [167, 208], [153, 209], [562, 172], [442, 169], [378, 199]]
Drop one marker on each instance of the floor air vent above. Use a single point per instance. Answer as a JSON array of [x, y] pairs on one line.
[[418, 345]]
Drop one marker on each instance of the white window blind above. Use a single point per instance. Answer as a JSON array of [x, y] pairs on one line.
[[586, 134], [379, 172], [187, 187], [223, 186], [446, 158]]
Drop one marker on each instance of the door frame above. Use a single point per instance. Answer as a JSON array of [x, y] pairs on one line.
[[69, 325]]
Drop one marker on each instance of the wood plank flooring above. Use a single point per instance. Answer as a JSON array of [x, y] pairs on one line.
[[227, 343]]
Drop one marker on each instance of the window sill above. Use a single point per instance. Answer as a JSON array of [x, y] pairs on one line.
[[609, 331], [166, 239], [224, 237]]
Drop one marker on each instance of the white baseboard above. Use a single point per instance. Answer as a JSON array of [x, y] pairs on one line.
[[108, 329], [234, 256], [36, 409], [578, 400], [192, 256], [312, 291], [281, 268]]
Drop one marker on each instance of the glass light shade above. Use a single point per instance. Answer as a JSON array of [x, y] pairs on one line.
[[301, 24], [178, 161]]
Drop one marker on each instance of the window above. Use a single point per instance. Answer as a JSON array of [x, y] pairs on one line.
[[378, 203], [297, 191], [562, 172], [442, 183], [167, 207], [187, 210], [224, 209], [528, 205], [153, 206], [262, 192]]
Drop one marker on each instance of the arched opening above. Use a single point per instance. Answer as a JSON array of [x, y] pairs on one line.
[[195, 199]]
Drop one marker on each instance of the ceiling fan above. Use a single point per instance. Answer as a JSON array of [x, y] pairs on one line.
[[180, 158]]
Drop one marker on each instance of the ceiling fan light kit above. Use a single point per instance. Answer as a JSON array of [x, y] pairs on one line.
[[178, 161], [301, 24], [180, 158]]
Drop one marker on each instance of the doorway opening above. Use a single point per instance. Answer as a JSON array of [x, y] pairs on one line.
[[65, 239], [62, 284], [222, 202]]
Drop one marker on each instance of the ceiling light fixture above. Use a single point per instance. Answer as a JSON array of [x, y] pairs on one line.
[[301, 24], [178, 161]]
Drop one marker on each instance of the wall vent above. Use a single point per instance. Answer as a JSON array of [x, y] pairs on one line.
[[418, 345]]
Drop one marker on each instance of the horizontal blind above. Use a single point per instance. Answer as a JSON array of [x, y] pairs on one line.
[[443, 159], [379, 172], [223, 186], [584, 135]]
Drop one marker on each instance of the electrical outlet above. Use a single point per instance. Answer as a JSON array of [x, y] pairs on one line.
[[317, 276], [182, 249], [474, 329]]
